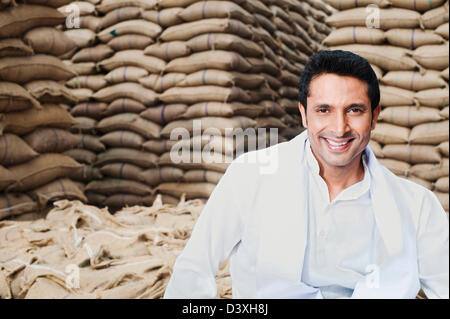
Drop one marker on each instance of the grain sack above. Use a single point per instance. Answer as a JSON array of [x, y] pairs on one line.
[[412, 38], [82, 37], [349, 4], [430, 172], [125, 74], [192, 190], [14, 47], [443, 199], [110, 5], [128, 89], [83, 94], [130, 42], [91, 22], [442, 30], [392, 96], [14, 150], [48, 40], [443, 148], [434, 18], [23, 122], [160, 83], [191, 95], [86, 174], [164, 113], [127, 200], [51, 140], [94, 54], [127, 155], [223, 109], [110, 186], [186, 31], [349, 35], [6, 179], [385, 133], [131, 122], [216, 9], [432, 56], [16, 204], [119, 15], [42, 170], [85, 68], [155, 176], [433, 97], [419, 181], [417, 5], [168, 50], [84, 125], [137, 26], [16, 20], [414, 81], [215, 143], [444, 112], [82, 156], [222, 60], [165, 18], [62, 188], [442, 184], [159, 146], [429, 133], [215, 161], [389, 18], [444, 74], [198, 176], [414, 154], [14, 98], [37, 67], [409, 115], [84, 8], [124, 105], [133, 58], [91, 143], [387, 57], [376, 148], [126, 139], [123, 171], [92, 82], [222, 78], [397, 167], [50, 92]]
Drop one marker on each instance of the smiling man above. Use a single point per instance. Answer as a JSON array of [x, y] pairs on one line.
[[330, 221]]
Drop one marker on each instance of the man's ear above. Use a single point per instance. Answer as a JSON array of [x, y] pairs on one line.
[[303, 114], [375, 114]]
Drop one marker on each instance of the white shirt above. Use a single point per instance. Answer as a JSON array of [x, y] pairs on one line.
[[341, 234]]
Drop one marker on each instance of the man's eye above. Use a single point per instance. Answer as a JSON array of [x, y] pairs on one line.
[[355, 110], [322, 110]]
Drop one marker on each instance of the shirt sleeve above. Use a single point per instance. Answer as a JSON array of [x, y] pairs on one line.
[[215, 234], [433, 249]]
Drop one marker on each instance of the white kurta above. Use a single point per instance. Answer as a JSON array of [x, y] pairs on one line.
[[258, 214]]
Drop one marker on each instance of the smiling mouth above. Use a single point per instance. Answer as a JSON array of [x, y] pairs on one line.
[[338, 146]]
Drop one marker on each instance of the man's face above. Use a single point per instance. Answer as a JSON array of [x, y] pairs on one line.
[[339, 118]]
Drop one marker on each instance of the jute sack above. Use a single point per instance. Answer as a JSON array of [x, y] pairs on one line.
[[127, 155], [443, 148], [211, 143], [376, 148], [263, 65], [435, 17], [414, 154], [133, 58], [216, 9], [84, 68], [178, 3], [395, 166], [94, 54], [123, 171], [273, 82], [132, 122], [91, 22], [90, 142], [429, 133], [20, 123], [443, 199], [14, 98], [93, 82], [119, 15], [127, 200], [433, 97], [223, 109], [96, 199], [159, 146], [222, 60], [385, 133], [48, 40], [126, 139], [424, 183], [137, 26], [130, 42], [84, 8], [160, 83], [350, 35], [14, 150], [125, 74], [37, 67], [378, 71], [349, 4], [442, 30], [42, 170], [83, 38], [191, 95], [409, 115], [51, 140], [46, 91], [442, 184], [155, 176], [128, 89], [444, 74], [16, 20], [14, 47], [83, 94], [14, 204], [165, 18], [192, 190], [124, 105], [412, 38], [414, 81], [62, 188], [198, 176], [418, 5], [274, 109], [110, 186], [222, 78], [110, 5], [432, 56], [6, 179], [288, 92], [186, 31], [194, 160], [269, 121], [388, 18], [444, 112], [256, 6], [168, 50], [164, 113], [392, 96], [289, 78], [431, 172], [82, 156], [288, 105], [389, 58], [84, 125]]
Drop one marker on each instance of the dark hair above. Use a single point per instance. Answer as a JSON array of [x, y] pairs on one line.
[[343, 63]]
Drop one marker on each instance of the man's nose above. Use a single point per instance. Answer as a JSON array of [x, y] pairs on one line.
[[340, 126]]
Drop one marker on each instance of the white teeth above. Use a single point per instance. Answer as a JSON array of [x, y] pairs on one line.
[[337, 144]]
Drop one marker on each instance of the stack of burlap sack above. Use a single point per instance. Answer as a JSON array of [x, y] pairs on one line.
[[80, 251], [407, 44], [33, 125]]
